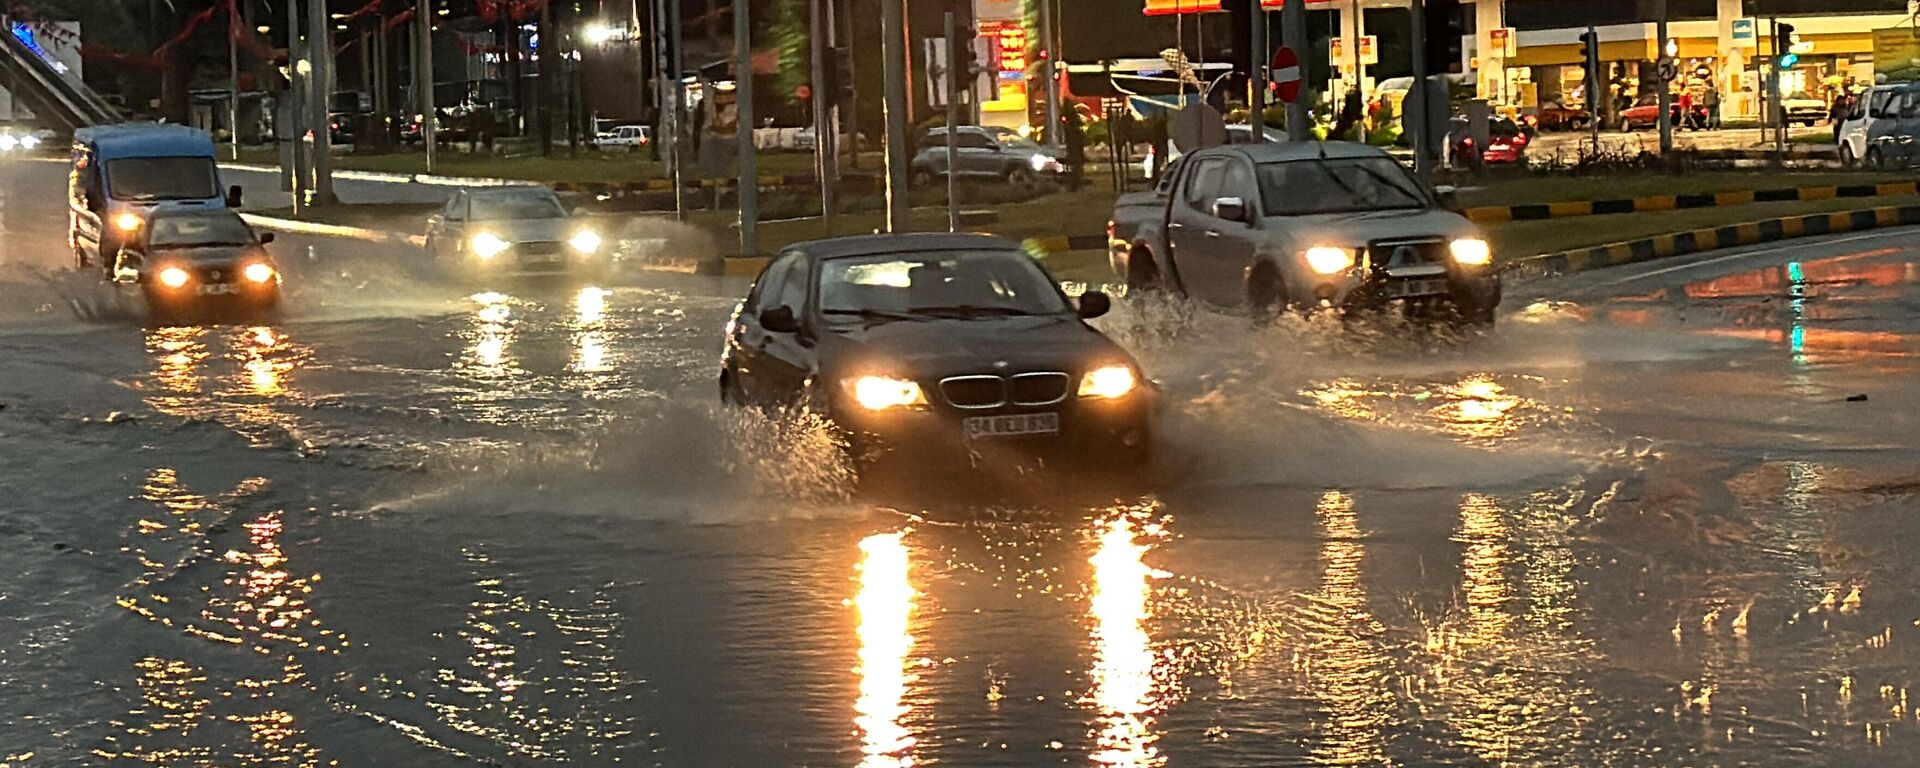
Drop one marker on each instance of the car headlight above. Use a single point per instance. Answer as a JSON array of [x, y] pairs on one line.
[[8, 143], [1109, 382], [174, 277], [585, 241], [257, 272], [29, 141], [128, 222], [1042, 162], [878, 393], [487, 245], [1471, 251], [1329, 260]]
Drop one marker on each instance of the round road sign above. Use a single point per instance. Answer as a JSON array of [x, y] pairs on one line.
[[1286, 74]]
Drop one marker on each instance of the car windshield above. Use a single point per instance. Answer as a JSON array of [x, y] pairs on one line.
[[937, 283], [162, 178], [518, 206], [198, 230], [1304, 187]]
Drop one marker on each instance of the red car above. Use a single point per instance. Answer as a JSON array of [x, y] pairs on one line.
[[1555, 116], [1647, 115], [1506, 144]]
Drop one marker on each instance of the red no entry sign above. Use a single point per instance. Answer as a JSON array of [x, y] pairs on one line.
[[1286, 74]]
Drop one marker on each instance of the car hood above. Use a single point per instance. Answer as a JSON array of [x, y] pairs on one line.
[[936, 349], [527, 230], [1358, 229]]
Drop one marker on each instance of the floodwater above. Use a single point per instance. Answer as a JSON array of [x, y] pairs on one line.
[[1660, 517]]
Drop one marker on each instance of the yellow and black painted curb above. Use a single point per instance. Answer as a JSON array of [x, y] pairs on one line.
[[1699, 240], [1539, 211]]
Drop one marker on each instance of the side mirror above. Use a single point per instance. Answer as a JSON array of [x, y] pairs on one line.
[[233, 196], [266, 238], [1230, 209], [1449, 198], [1094, 303], [779, 320]]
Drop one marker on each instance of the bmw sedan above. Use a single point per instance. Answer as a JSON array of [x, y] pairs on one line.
[[936, 344]]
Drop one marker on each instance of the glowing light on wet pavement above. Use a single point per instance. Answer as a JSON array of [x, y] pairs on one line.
[[1126, 689], [884, 606]]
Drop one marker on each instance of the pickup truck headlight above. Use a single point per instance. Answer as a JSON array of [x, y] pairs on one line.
[[1471, 251], [128, 222], [879, 393], [487, 245], [1109, 382], [1330, 260], [585, 241]]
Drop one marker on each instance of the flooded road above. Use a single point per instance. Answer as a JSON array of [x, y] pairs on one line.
[[1660, 517]]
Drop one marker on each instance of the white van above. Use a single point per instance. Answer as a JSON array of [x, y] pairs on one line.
[[1878, 108]]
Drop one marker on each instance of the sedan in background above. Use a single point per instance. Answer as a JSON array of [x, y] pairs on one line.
[[986, 155], [937, 345], [192, 260], [1556, 116], [513, 232]]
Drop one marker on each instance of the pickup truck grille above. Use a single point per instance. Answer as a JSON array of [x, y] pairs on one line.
[[1387, 254]]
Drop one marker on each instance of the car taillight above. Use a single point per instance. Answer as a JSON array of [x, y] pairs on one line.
[[1468, 141], [1520, 140]]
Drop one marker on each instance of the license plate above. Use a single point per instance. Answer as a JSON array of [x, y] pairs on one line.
[[1008, 426], [1400, 289], [216, 289], [544, 258]]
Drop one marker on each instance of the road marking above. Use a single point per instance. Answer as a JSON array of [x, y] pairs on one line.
[[1748, 254]]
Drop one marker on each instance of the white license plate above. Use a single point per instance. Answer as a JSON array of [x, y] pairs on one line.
[[1007, 426], [1400, 289], [216, 289]]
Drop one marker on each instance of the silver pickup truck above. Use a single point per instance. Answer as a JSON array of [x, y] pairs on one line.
[[1273, 227]]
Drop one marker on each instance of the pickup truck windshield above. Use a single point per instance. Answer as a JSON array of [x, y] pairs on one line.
[[1306, 187], [937, 284], [162, 178]]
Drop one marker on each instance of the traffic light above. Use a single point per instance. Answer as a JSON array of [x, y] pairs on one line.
[[1786, 45], [1590, 48], [1446, 23]]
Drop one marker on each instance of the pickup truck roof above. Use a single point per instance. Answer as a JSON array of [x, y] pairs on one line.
[[1304, 150]]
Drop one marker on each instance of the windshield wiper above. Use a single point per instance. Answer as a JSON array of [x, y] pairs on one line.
[[874, 315], [976, 310]]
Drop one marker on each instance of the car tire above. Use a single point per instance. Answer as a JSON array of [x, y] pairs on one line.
[[1847, 159], [1876, 159], [1020, 178], [1267, 294], [1143, 273]]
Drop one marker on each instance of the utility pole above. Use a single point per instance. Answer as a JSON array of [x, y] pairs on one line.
[[423, 77], [1257, 60], [293, 113], [675, 66], [893, 55], [551, 60], [826, 91], [743, 130], [1416, 113], [953, 123], [1293, 32], [1666, 89], [1047, 72], [234, 31], [320, 92]]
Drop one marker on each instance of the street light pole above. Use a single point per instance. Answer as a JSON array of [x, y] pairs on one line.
[[1047, 72], [293, 115], [233, 82], [1666, 89], [1257, 74], [423, 76], [820, 33], [893, 55], [1293, 30], [743, 130], [320, 92]]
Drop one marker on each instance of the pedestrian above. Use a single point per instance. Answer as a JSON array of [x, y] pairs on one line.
[[1837, 116], [1710, 100], [1351, 113], [1685, 105], [1076, 139]]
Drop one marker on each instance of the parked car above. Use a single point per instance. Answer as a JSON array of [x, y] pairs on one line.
[[625, 138], [1647, 115], [986, 154], [1874, 114], [1557, 116], [1893, 139], [512, 231], [953, 348], [1805, 108], [196, 260], [1506, 144], [1279, 227]]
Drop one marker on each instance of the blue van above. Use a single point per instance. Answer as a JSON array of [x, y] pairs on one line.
[[120, 173]]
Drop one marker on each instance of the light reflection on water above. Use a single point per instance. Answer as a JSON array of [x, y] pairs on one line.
[[885, 605], [250, 398], [1348, 671], [1128, 686]]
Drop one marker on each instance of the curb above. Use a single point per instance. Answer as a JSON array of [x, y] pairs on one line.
[[1501, 214], [1699, 240]]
